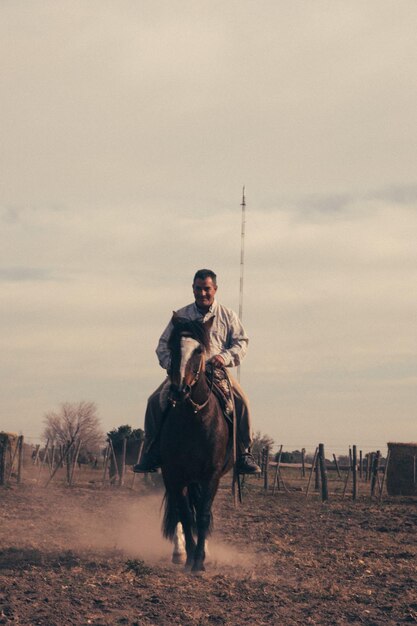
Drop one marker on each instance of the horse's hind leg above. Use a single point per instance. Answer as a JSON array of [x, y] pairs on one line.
[[178, 555], [187, 521]]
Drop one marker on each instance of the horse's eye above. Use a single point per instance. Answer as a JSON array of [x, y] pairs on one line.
[[199, 350]]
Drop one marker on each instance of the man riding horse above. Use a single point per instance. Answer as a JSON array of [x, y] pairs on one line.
[[228, 345]]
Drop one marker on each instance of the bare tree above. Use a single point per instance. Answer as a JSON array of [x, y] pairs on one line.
[[261, 441], [74, 423]]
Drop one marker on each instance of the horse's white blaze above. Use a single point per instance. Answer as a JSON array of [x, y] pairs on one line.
[[188, 345]]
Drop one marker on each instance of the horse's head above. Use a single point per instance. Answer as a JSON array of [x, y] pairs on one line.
[[188, 343]]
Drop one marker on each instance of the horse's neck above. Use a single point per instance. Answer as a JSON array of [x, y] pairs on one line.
[[201, 389]]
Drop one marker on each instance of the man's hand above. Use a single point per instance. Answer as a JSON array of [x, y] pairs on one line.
[[218, 361]]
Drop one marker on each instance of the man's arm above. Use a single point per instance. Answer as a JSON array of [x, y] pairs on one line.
[[237, 343], [162, 350]]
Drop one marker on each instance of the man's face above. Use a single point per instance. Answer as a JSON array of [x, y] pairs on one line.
[[204, 292]]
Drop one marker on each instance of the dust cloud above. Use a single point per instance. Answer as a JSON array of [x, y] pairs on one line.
[[137, 532], [133, 527], [108, 521]]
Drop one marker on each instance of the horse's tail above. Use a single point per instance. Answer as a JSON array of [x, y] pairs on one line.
[[171, 517], [171, 512]]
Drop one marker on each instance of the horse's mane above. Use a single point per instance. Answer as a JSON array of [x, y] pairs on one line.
[[191, 328]]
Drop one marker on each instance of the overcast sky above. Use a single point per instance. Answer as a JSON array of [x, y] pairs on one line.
[[128, 129]]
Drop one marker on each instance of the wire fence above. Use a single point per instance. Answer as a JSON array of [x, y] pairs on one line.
[[358, 471]]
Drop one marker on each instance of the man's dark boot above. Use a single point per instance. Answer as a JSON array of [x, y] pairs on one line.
[[246, 464], [149, 462]]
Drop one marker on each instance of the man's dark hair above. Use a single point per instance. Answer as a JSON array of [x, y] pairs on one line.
[[203, 274]]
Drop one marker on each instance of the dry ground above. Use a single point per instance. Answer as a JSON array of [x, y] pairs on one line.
[[89, 555]]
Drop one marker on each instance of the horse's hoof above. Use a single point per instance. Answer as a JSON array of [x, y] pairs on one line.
[[178, 559], [198, 568], [188, 566]]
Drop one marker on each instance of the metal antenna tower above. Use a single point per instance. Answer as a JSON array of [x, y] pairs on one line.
[[242, 262]]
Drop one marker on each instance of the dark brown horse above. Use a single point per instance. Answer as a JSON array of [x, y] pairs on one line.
[[194, 441]]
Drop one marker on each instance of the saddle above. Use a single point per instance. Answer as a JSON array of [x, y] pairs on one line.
[[221, 389]]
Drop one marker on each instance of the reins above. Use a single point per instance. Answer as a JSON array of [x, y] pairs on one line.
[[198, 407]]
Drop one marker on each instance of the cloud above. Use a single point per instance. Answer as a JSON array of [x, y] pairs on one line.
[[24, 274], [404, 195]]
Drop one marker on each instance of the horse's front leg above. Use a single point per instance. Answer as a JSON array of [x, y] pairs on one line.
[[203, 507]]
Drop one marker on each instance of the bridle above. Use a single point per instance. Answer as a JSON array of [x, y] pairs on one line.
[[187, 396]]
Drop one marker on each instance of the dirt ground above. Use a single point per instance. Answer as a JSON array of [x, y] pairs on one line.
[[91, 555]]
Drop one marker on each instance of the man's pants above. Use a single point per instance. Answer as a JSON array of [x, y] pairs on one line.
[[154, 412]]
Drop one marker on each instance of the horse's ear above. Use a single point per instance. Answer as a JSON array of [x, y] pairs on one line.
[[209, 323], [175, 318]]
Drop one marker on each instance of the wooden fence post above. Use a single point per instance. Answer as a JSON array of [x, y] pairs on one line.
[[347, 477], [52, 459], [276, 477], [371, 458], [354, 468], [117, 475], [266, 468], [42, 461], [317, 473], [122, 471], [375, 469], [12, 457], [313, 464], [137, 461], [106, 462], [303, 462], [20, 459], [360, 465], [36, 456], [323, 473], [262, 462], [384, 475], [337, 465]]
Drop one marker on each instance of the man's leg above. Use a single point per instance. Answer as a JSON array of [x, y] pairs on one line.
[[246, 463], [153, 421]]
